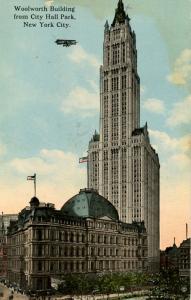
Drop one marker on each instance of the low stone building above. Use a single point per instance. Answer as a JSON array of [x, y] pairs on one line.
[[84, 236], [3, 253], [184, 258], [177, 258], [169, 258], [6, 219]]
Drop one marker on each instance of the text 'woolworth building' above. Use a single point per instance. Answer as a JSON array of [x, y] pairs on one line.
[[122, 164]]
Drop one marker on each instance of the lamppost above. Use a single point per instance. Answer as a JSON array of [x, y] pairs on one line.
[[121, 289], [184, 290]]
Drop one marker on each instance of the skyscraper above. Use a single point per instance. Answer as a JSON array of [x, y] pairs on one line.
[[122, 164]]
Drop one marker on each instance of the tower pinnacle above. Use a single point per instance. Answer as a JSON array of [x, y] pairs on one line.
[[120, 15], [106, 26]]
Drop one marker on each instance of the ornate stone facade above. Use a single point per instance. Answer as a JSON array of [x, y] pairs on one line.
[[80, 238], [122, 165], [5, 220]]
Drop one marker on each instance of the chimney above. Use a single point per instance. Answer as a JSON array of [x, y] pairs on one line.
[[186, 231]]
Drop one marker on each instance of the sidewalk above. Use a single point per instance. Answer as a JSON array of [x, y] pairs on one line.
[[134, 295]]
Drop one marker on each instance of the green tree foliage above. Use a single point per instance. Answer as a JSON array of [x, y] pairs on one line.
[[168, 282], [104, 284]]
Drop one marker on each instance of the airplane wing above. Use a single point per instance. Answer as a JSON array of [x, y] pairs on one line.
[[66, 43]]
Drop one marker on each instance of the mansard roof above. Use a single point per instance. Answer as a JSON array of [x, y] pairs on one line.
[[137, 226]]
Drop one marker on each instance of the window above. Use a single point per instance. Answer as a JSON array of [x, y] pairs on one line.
[[39, 235], [39, 284], [60, 266], [92, 265], [65, 266], [115, 54], [123, 52], [39, 266], [52, 235], [83, 266], [108, 55], [106, 85], [72, 251], [92, 238], [83, 251], [77, 237], [123, 82], [99, 239], [92, 251], [66, 236], [83, 238], [72, 237], [71, 266], [40, 250], [52, 251]]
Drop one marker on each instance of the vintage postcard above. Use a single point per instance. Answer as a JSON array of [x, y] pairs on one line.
[[95, 96]]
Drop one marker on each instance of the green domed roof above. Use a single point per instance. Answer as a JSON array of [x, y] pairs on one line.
[[88, 203]]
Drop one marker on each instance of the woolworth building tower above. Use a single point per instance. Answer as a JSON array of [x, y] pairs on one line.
[[122, 164]]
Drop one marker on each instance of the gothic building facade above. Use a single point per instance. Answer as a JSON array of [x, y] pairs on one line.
[[84, 236], [122, 164]]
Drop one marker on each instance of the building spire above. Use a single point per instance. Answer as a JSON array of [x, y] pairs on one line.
[[106, 26], [120, 15]]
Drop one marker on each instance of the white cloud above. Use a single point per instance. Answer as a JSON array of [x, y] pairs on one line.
[[79, 55], [81, 100], [181, 113], [168, 144], [59, 177], [29, 165], [182, 68], [163, 140], [154, 105], [46, 163]]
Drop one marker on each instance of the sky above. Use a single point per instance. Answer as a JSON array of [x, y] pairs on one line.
[[50, 100]]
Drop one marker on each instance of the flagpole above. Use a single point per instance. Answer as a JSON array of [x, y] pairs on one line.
[[35, 184]]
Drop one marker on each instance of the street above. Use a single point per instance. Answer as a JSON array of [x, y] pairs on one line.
[[17, 296], [7, 292]]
